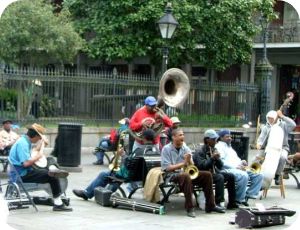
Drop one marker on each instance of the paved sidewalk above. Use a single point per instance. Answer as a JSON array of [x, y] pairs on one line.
[[90, 215]]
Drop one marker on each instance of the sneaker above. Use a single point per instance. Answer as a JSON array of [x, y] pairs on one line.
[[98, 163], [80, 193], [58, 173], [62, 208], [220, 206], [191, 213]]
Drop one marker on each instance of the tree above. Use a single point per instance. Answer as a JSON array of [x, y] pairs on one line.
[[217, 33], [31, 33]]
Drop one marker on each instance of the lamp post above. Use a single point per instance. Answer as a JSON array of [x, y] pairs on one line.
[[263, 72], [167, 25]]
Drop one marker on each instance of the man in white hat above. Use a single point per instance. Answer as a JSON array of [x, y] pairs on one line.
[[20, 157], [287, 125]]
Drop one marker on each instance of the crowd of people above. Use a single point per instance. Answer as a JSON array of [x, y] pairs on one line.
[[217, 162]]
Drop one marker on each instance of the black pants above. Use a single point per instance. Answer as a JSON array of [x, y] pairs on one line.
[[219, 179], [41, 176]]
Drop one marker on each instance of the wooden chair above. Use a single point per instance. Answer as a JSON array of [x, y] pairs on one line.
[[281, 188]]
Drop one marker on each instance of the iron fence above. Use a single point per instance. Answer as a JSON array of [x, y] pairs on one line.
[[104, 97]]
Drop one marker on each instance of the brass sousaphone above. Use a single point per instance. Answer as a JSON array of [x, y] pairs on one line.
[[174, 87]]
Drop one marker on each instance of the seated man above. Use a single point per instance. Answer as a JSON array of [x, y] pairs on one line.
[[101, 180], [7, 137], [208, 159], [174, 157], [20, 157], [233, 164], [106, 141], [148, 117]]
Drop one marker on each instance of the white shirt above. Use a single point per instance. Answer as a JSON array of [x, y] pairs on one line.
[[228, 155]]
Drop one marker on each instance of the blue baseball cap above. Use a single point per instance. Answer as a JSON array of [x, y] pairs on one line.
[[211, 134], [224, 132], [150, 101]]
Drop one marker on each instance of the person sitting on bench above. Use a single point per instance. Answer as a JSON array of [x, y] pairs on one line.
[[207, 158], [109, 141], [7, 137], [101, 180], [20, 157], [233, 164], [177, 155]]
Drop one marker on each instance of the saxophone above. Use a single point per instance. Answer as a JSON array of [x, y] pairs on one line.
[[115, 165]]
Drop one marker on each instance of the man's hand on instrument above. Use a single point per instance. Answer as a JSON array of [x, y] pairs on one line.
[[280, 114], [148, 122], [258, 146], [187, 159], [215, 156], [121, 151]]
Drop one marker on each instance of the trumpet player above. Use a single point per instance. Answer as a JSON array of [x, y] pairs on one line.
[[208, 159], [177, 155]]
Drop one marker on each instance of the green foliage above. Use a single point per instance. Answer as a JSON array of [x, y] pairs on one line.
[[8, 95], [47, 106], [217, 33], [31, 33]]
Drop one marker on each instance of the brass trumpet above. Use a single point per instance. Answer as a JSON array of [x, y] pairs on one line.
[[192, 170], [255, 167]]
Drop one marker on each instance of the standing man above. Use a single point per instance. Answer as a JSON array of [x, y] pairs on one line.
[[177, 155], [7, 137], [148, 117], [287, 125], [208, 159], [233, 164], [20, 157]]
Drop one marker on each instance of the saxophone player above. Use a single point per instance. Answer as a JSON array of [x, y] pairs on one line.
[[208, 159]]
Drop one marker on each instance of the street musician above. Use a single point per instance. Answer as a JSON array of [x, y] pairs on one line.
[[208, 159], [177, 155], [150, 116]]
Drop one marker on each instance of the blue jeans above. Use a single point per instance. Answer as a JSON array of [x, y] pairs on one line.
[[104, 144], [241, 179], [102, 181]]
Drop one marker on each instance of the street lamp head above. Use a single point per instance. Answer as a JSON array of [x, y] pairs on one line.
[[167, 23]]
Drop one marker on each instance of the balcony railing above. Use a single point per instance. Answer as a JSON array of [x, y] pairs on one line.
[[288, 32]]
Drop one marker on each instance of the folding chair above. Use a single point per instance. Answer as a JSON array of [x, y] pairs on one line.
[[16, 193]]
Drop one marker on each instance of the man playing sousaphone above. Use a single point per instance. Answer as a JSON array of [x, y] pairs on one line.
[[148, 117], [276, 118]]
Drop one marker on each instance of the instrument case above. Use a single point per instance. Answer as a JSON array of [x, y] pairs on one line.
[[253, 218], [102, 196]]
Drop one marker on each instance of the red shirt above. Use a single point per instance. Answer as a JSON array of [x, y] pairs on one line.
[[136, 125]]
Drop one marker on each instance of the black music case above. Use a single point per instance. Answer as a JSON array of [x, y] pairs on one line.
[[253, 218], [102, 196]]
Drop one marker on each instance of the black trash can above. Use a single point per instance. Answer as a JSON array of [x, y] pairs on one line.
[[69, 144], [240, 144]]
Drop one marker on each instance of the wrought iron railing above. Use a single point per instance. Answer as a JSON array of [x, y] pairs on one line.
[[102, 97], [286, 33]]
